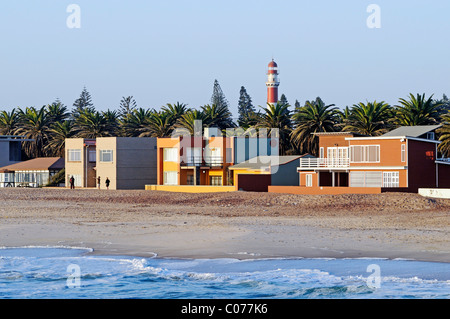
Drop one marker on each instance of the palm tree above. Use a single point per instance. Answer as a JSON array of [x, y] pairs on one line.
[[57, 112], [277, 116], [34, 124], [112, 122], [369, 118], [91, 124], [158, 124], [58, 134], [219, 116], [175, 111], [343, 116], [8, 122], [188, 121], [250, 120], [417, 111], [133, 123], [313, 117], [444, 132]]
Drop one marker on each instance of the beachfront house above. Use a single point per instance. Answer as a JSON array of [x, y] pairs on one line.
[[258, 173], [202, 163], [128, 162], [36, 172], [404, 159]]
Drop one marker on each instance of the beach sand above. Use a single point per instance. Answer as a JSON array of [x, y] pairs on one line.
[[228, 225]]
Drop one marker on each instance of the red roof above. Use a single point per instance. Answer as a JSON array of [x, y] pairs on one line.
[[36, 164], [272, 64]]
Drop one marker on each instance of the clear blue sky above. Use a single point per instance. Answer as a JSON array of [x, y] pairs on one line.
[[167, 51]]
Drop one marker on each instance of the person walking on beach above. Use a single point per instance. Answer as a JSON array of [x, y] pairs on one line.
[[107, 183], [72, 183], [98, 182]]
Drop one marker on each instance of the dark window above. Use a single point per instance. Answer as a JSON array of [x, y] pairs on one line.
[[215, 180], [14, 151]]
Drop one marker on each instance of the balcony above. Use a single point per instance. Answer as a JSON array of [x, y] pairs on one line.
[[208, 161], [314, 163], [443, 160]]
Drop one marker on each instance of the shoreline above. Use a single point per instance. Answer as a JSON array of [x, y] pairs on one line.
[[234, 225], [93, 252]]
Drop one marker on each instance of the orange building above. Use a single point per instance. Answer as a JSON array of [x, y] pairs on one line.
[[193, 161], [404, 159], [205, 160]]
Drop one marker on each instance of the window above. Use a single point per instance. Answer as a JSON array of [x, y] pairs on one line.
[[430, 136], [92, 156], [106, 156], [74, 155], [214, 157], [403, 153], [170, 155], [15, 151], [190, 180], [215, 180], [366, 179], [365, 153], [391, 179], [170, 178], [309, 182], [337, 156], [322, 152], [194, 155]]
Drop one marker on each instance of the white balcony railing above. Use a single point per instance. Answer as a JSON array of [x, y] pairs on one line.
[[324, 162]]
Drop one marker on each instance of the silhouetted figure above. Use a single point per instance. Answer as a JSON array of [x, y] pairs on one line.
[[72, 183]]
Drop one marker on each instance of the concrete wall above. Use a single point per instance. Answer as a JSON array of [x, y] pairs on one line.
[[324, 190], [79, 168], [106, 170], [4, 153], [435, 192], [134, 162], [286, 175]]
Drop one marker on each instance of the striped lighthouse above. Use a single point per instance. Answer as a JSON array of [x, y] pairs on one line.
[[272, 83]]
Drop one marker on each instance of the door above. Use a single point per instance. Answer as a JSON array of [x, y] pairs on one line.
[[337, 156]]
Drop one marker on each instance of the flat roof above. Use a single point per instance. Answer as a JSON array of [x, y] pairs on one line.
[[18, 138]]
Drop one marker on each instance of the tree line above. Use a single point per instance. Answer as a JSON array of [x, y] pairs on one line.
[[51, 124]]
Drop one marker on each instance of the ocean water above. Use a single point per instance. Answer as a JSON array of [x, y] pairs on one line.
[[62, 272]]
